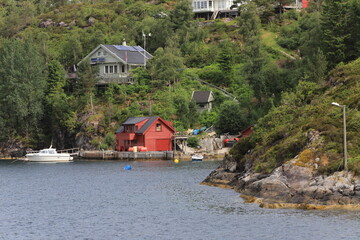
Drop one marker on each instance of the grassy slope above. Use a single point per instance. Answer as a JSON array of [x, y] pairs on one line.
[[306, 122]]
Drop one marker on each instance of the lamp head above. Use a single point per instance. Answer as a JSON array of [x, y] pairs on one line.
[[335, 104]]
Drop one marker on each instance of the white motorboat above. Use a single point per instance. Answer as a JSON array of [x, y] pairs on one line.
[[48, 155], [197, 157]]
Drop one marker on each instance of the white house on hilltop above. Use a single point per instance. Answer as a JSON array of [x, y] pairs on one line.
[[214, 8], [115, 62]]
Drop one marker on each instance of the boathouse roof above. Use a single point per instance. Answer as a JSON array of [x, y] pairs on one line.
[[148, 123]]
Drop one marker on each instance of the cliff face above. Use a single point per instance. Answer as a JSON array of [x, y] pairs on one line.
[[295, 156]]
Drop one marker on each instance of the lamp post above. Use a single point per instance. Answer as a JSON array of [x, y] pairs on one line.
[[144, 36], [344, 120]]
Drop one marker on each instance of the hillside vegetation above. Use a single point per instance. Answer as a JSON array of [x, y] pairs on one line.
[[316, 129], [260, 57]]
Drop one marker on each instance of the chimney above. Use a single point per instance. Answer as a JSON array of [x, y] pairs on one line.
[[124, 42]]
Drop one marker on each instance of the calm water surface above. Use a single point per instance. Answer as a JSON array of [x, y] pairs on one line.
[[155, 200]]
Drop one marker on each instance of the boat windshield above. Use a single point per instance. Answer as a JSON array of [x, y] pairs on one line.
[[48, 151]]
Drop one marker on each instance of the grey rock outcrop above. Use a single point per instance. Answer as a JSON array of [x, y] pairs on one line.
[[291, 185]]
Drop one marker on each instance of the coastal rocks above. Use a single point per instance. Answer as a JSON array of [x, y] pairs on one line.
[[12, 149], [292, 185], [224, 175]]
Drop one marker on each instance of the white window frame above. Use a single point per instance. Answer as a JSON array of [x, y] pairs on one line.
[[110, 69]]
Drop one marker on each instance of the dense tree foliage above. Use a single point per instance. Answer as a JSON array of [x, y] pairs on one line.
[[22, 85], [248, 62]]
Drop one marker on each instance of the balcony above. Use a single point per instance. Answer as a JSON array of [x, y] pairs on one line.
[[129, 136], [211, 6], [119, 78]]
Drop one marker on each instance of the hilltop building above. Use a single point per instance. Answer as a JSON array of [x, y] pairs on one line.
[[115, 62], [214, 9], [229, 8]]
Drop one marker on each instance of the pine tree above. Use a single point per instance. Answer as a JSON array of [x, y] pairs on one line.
[[254, 60], [334, 31], [22, 85]]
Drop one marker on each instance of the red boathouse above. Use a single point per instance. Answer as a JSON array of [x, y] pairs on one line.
[[146, 133]]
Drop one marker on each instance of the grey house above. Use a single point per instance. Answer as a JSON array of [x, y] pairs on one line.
[[203, 100], [116, 61]]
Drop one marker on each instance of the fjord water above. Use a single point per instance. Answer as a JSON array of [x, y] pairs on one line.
[[155, 200]]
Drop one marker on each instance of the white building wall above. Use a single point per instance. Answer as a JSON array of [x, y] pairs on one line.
[[211, 6]]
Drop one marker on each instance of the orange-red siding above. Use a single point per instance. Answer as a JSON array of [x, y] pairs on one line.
[[157, 137]]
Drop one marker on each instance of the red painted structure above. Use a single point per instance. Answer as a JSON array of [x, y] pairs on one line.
[[247, 132], [305, 3], [146, 133]]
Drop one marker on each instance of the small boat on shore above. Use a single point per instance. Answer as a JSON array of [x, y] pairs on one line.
[[197, 158], [48, 155]]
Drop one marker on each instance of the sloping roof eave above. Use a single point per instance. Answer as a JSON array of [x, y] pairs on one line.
[[157, 118]]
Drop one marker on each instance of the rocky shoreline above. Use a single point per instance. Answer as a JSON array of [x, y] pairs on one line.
[[291, 185]]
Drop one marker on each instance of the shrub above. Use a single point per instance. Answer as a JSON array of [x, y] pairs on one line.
[[193, 142]]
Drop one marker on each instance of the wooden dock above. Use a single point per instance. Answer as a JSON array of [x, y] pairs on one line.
[[129, 156]]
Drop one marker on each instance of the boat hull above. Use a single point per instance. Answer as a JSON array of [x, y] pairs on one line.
[[49, 158], [197, 158]]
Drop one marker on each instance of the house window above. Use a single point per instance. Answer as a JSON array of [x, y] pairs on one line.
[[99, 53], [123, 68], [158, 127], [111, 69], [105, 53], [210, 3]]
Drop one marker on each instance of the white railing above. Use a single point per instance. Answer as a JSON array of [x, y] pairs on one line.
[[211, 6]]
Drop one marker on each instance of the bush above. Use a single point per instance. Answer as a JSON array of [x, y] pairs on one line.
[[354, 164], [110, 139], [193, 142]]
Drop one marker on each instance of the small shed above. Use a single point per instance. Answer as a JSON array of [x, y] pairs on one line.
[[150, 133], [203, 100]]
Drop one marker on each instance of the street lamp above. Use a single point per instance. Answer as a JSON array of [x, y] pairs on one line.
[[144, 36], [344, 120]]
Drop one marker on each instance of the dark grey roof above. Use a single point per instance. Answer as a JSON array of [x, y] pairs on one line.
[[129, 54], [130, 121], [147, 125], [202, 96], [121, 129], [134, 120]]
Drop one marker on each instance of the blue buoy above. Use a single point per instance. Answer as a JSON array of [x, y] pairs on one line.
[[127, 167]]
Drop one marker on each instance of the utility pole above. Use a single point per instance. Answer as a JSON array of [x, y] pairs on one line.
[[144, 36], [344, 132]]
